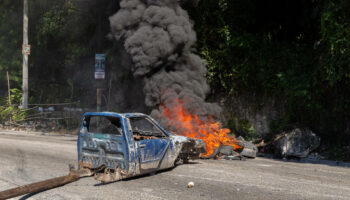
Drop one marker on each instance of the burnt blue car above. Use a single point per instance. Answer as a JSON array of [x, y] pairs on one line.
[[115, 146]]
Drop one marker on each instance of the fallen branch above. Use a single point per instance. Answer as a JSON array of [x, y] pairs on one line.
[[263, 144]]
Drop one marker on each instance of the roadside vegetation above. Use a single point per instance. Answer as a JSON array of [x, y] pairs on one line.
[[294, 51]]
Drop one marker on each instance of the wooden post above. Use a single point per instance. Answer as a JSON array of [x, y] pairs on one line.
[[99, 99], [8, 87], [109, 93], [39, 186]]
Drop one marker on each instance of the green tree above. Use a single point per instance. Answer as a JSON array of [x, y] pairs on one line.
[[292, 50], [10, 42]]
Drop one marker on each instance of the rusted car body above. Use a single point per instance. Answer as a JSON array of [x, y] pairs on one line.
[[114, 146]]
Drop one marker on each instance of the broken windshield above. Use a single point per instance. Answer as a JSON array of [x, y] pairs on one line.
[[143, 127], [104, 125]]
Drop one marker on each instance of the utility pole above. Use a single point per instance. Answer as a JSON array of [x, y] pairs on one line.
[[25, 52], [100, 59], [8, 87], [99, 99]]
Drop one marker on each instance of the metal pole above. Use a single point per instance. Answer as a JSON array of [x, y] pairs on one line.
[[8, 87], [25, 56], [109, 93]]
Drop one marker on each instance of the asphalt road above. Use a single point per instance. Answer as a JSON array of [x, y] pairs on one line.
[[31, 157]]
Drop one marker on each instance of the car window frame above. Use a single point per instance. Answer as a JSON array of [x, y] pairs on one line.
[[88, 118], [164, 134]]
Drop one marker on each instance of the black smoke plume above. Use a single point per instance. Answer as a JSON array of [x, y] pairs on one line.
[[159, 37]]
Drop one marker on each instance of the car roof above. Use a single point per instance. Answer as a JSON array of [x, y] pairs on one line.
[[123, 115], [115, 114]]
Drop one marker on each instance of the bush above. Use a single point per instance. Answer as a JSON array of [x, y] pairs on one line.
[[12, 112]]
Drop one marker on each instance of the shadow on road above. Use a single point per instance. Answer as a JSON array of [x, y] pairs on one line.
[[151, 173], [312, 161], [31, 194]]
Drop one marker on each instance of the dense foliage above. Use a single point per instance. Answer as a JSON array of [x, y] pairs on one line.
[[64, 36], [297, 51], [10, 42]]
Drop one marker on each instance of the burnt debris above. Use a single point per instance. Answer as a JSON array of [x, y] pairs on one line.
[[248, 150]]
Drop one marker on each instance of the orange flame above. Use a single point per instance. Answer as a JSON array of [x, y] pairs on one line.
[[190, 125]]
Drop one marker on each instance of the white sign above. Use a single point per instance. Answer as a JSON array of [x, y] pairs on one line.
[[100, 60]]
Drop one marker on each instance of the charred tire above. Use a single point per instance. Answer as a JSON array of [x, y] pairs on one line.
[[216, 151]]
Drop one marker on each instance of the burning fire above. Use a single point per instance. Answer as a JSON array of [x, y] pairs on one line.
[[190, 125]]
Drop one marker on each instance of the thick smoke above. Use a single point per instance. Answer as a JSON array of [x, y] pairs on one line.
[[159, 37]]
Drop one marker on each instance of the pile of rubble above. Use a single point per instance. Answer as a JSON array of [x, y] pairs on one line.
[[296, 143]]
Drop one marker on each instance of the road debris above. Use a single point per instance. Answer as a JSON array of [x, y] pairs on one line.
[[249, 150], [73, 176], [190, 184], [296, 143], [229, 152]]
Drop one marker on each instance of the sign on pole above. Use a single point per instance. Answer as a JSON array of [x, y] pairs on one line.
[[26, 49], [100, 60]]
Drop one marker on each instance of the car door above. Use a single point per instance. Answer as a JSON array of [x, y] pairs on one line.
[[151, 142]]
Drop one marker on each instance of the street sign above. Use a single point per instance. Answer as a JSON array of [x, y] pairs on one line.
[[26, 49], [100, 60]]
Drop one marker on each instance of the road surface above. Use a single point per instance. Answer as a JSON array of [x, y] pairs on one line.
[[31, 157]]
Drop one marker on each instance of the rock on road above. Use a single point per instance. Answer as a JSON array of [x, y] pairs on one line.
[[31, 157]]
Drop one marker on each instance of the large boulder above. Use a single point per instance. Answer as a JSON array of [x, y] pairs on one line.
[[296, 143]]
